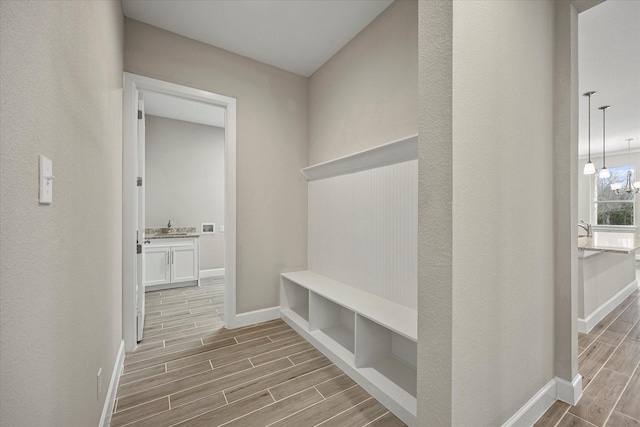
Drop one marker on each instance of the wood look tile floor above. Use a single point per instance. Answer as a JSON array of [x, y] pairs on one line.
[[191, 371], [609, 362]]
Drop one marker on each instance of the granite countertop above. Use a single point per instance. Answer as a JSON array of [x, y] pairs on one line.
[[623, 243], [173, 233]]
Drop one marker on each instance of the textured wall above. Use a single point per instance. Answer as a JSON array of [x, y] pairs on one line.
[[61, 274], [503, 171], [366, 94], [184, 173], [271, 149], [486, 237]]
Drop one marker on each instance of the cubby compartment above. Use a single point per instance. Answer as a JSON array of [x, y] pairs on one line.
[[387, 359], [295, 300], [333, 324]]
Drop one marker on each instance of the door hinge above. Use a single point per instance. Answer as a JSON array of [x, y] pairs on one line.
[[139, 181], [138, 249], [139, 114]]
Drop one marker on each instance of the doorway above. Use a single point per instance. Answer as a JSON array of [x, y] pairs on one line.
[[136, 89]]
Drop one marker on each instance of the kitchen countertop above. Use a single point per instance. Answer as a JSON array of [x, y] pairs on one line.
[[623, 243], [175, 233]]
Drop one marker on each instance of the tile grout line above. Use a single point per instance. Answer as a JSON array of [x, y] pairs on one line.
[[610, 356], [265, 406], [620, 397], [310, 406], [348, 409], [376, 419]]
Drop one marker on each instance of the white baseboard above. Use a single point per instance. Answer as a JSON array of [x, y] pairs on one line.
[[214, 272], [107, 409], [557, 388], [251, 317], [585, 325]]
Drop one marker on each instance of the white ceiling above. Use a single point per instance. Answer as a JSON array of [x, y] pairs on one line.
[[609, 63], [295, 35]]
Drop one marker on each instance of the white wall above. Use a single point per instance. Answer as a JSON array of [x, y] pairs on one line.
[[271, 149], [363, 230], [585, 182], [365, 95], [61, 274], [185, 181]]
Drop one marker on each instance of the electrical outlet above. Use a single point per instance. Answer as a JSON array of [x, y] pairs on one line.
[[99, 384]]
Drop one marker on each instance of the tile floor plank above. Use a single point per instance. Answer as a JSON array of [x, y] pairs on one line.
[[630, 402], [625, 358], [278, 410], [619, 420], [553, 414], [190, 370], [598, 401], [359, 415]]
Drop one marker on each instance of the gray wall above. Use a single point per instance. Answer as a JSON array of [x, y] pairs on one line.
[[61, 275], [366, 94], [271, 149], [185, 181], [486, 232]]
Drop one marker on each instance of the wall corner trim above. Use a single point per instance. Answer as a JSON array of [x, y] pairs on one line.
[[107, 409], [585, 325], [252, 317], [402, 150], [569, 392], [557, 388]]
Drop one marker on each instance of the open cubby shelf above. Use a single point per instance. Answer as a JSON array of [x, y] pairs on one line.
[[372, 339]]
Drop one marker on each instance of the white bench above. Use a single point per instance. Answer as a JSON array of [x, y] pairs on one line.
[[370, 338]]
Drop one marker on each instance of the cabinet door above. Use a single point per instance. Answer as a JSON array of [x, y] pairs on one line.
[[156, 265], [184, 263]]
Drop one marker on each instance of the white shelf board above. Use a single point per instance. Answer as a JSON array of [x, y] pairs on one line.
[[397, 372], [396, 317], [394, 390], [402, 150], [295, 317], [391, 395], [341, 336], [302, 311]]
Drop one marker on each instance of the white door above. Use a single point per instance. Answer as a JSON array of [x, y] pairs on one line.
[[140, 215], [184, 263], [156, 265]]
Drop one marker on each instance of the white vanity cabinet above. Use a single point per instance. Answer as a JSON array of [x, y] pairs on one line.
[[171, 261]]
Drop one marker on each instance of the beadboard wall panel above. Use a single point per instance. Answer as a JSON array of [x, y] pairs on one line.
[[363, 230]]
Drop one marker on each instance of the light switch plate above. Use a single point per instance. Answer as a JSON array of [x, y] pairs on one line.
[[46, 180], [221, 228]]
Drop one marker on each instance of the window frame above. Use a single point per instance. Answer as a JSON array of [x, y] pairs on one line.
[[594, 205]]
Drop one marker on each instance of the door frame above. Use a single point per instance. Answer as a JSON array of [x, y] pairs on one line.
[[132, 85]]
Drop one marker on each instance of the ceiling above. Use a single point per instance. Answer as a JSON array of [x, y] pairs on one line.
[[301, 35], [297, 36], [609, 63]]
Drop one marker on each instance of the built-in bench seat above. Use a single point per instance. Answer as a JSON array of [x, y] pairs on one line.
[[372, 339]]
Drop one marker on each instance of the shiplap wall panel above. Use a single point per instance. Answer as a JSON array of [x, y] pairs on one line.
[[363, 230]]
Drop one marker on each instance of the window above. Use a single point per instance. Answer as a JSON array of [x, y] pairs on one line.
[[611, 208]]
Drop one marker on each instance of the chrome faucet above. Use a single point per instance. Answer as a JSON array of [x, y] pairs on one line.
[[586, 226], [169, 225]]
